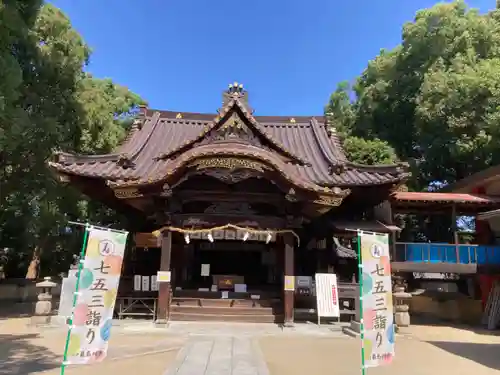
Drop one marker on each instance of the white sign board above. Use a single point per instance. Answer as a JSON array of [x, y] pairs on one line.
[[154, 283], [205, 270], [327, 295], [240, 288], [145, 283], [137, 283]]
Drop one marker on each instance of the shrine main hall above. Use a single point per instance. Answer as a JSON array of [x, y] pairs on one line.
[[241, 206]]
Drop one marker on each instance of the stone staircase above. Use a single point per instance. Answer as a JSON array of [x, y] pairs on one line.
[[226, 310], [353, 330]]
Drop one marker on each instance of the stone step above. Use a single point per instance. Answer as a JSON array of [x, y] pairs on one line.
[[209, 302], [355, 326], [175, 316], [218, 310], [350, 332], [265, 295]]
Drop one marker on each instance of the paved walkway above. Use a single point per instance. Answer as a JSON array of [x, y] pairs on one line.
[[216, 329], [219, 356], [242, 349]]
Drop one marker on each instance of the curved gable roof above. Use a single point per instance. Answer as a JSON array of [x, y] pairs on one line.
[[307, 149]]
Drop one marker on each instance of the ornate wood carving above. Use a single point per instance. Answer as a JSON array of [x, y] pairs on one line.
[[62, 178], [234, 128], [166, 191], [328, 200], [229, 163], [399, 188], [291, 196], [230, 177], [234, 196], [230, 208], [127, 193]]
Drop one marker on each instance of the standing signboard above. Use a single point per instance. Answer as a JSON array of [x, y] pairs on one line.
[[96, 290], [377, 328], [327, 296]]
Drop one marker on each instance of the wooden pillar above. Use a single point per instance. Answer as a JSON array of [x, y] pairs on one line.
[[163, 308], [331, 254], [289, 282]]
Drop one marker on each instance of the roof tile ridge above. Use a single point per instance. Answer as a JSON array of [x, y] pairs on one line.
[[130, 156], [61, 157], [70, 158], [332, 155], [223, 112], [141, 117], [268, 136], [400, 167]]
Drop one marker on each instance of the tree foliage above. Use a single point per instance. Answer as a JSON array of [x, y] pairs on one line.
[[434, 98], [48, 103], [341, 114]]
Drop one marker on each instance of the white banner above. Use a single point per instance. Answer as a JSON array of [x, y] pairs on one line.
[[378, 321], [327, 295], [98, 287]]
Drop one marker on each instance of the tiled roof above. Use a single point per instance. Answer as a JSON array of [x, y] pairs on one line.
[[298, 146], [443, 198]]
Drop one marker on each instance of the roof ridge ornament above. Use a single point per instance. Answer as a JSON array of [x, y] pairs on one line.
[[235, 88]]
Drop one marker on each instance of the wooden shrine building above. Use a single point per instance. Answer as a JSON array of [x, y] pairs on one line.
[[249, 196]]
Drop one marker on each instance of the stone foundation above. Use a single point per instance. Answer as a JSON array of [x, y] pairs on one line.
[[457, 309], [21, 290]]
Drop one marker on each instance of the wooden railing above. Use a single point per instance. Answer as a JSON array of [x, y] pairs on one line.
[[446, 253]]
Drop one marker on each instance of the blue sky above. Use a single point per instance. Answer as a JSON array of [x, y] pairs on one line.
[[290, 55]]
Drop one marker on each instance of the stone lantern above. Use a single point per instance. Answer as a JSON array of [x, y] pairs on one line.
[[401, 305], [43, 307]]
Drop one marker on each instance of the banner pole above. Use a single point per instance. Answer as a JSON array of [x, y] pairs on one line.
[[361, 322], [96, 227], [75, 297]]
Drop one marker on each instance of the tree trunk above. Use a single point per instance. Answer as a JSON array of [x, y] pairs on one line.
[[33, 268]]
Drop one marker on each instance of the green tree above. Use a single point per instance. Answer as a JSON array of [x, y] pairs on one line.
[[48, 103], [341, 115], [435, 97]]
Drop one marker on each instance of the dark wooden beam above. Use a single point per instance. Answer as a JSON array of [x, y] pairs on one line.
[[224, 196]]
